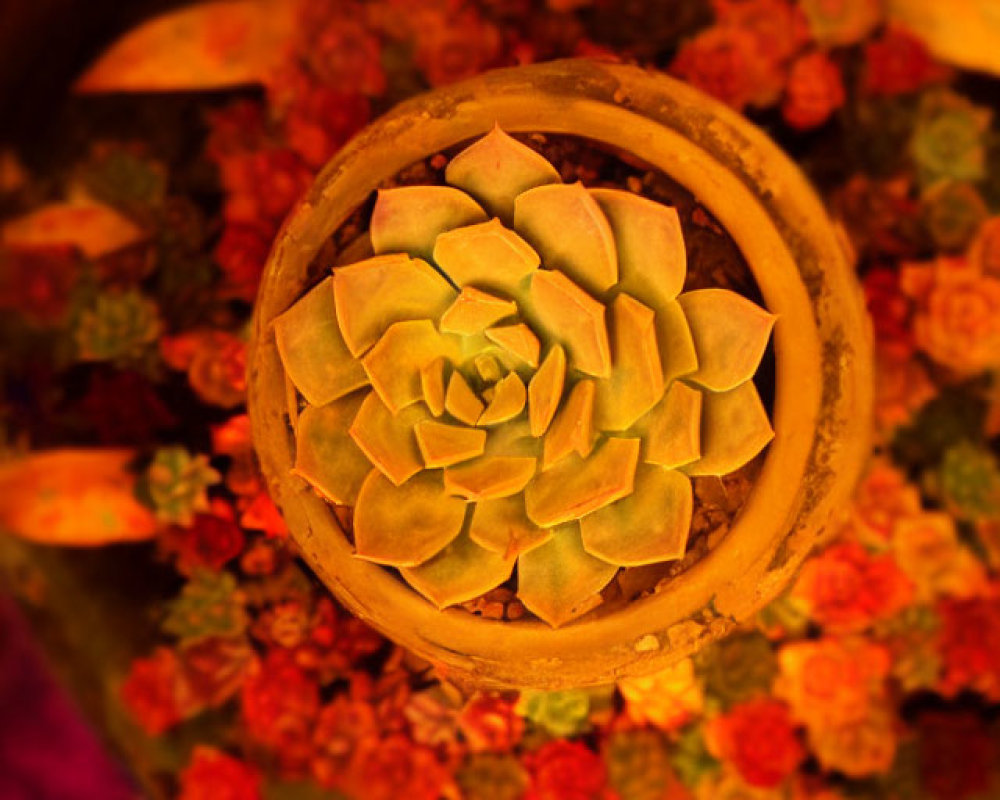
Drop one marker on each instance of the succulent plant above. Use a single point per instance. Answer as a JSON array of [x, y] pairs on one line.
[[175, 484], [515, 377], [119, 326]]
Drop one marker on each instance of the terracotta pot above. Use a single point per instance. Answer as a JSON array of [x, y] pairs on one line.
[[822, 346]]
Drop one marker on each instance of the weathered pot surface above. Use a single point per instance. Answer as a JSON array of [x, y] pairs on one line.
[[822, 403]]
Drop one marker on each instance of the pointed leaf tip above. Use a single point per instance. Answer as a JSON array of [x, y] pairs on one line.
[[496, 169]]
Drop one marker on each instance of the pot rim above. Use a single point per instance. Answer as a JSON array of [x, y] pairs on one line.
[[822, 345]]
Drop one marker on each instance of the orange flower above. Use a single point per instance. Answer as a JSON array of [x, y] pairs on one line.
[[665, 699], [984, 252], [727, 63], [214, 775], [883, 497], [815, 90], [959, 324], [846, 589], [758, 738], [832, 681], [857, 749], [902, 387], [394, 768], [927, 549]]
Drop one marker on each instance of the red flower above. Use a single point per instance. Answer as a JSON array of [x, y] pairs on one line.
[[779, 27], [489, 723], [452, 46], [881, 217], [888, 306], [899, 62], [342, 726], [263, 515], [727, 63], [970, 644], [237, 128], [240, 254], [956, 755], [395, 768], [215, 362], [815, 90], [758, 738], [37, 281], [340, 49], [564, 770], [262, 186], [847, 589], [280, 703], [214, 775], [318, 119], [211, 541], [215, 667], [151, 691]]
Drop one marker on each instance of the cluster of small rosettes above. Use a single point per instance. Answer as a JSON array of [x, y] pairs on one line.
[[516, 378]]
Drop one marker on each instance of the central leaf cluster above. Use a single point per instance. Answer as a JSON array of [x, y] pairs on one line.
[[515, 377]]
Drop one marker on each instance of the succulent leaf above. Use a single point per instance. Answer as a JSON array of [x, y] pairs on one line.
[[373, 294], [545, 390], [559, 580], [325, 454], [403, 526], [388, 440], [490, 477], [461, 402], [487, 256], [636, 381], [567, 314], [648, 526], [460, 572], [652, 259], [672, 430], [517, 339], [570, 232], [575, 486], [473, 311], [496, 169], [573, 428], [675, 343], [508, 401], [730, 334], [432, 385], [442, 445], [734, 428], [502, 526], [408, 219], [394, 364], [312, 350]]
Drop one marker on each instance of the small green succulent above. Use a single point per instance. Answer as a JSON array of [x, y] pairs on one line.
[[564, 713], [948, 139], [175, 484], [210, 604], [516, 377], [119, 326], [638, 764]]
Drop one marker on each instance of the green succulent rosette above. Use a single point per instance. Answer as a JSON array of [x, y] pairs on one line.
[[516, 379]]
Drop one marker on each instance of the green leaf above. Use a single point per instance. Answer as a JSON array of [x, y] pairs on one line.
[[571, 234], [388, 440], [404, 526], [461, 571], [408, 219], [326, 455], [395, 364], [496, 168], [730, 334], [576, 487], [652, 260], [567, 314], [313, 351], [559, 580], [636, 381], [502, 526], [487, 256], [373, 294], [672, 430], [648, 526], [490, 477], [734, 428]]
